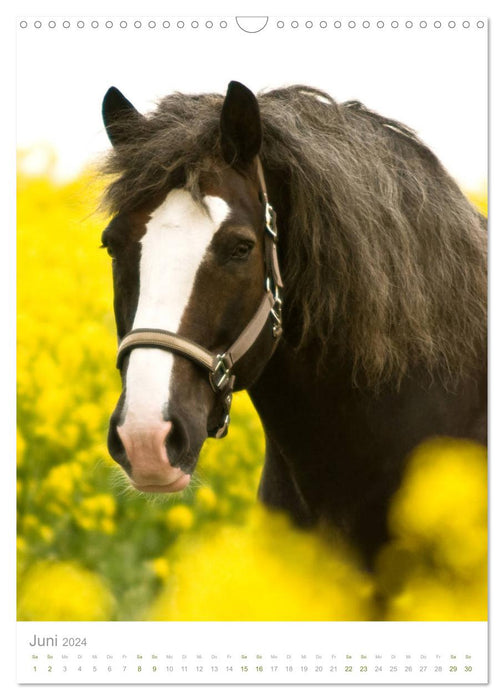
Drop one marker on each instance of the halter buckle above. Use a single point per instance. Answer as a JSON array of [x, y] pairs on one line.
[[270, 222], [276, 309], [223, 428], [276, 314], [221, 373], [227, 399]]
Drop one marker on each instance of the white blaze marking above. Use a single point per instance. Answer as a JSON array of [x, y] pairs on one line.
[[177, 237]]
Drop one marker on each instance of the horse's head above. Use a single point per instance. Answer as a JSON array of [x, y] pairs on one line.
[[196, 299]]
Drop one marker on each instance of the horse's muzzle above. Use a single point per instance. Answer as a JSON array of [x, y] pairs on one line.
[[146, 451]]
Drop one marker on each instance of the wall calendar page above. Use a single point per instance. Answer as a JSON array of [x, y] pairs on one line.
[[252, 348]]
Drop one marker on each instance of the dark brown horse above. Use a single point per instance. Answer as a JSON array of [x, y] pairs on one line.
[[377, 260]]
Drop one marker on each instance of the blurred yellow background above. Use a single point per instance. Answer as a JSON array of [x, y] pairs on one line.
[[91, 548]]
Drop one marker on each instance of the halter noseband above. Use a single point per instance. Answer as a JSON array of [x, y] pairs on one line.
[[220, 366]]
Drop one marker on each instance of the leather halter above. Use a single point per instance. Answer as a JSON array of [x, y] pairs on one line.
[[220, 366]]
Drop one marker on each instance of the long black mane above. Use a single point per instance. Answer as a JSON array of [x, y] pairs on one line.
[[386, 256]]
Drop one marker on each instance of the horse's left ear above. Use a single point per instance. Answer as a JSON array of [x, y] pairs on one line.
[[240, 125], [118, 116]]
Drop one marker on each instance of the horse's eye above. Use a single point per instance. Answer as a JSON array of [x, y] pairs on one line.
[[242, 250]]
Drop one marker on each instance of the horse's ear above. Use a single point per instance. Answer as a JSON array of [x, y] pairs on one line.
[[118, 114], [240, 125]]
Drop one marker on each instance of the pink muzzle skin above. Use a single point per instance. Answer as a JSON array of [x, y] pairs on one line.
[[151, 470]]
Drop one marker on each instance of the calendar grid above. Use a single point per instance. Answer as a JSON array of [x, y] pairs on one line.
[[240, 652]]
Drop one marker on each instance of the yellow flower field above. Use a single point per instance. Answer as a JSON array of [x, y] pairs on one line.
[[89, 547]]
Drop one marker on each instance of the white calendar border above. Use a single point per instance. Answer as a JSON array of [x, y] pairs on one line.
[[427, 7]]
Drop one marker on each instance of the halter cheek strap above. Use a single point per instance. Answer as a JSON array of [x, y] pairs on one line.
[[220, 366]]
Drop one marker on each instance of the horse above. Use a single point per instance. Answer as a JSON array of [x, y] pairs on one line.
[[314, 253]]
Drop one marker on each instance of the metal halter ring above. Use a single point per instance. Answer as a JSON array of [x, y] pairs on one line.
[[221, 373], [270, 222], [276, 309]]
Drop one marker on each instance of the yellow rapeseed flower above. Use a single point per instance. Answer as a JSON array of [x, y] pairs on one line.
[[20, 446], [85, 521], [55, 508], [103, 504], [205, 499], [443, 502], [63, 591], [161, 567], [429, 598], [480, 200], [180, 518], [46, 533], [107, 526], [96, 513], [29, 524], [435, 566], [60, 483], [265, 570]]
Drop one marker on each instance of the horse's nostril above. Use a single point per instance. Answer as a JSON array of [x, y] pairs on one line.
[[176, 444], [115, 445]]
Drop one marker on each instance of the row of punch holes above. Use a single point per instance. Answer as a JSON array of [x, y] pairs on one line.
[[252, 24]]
